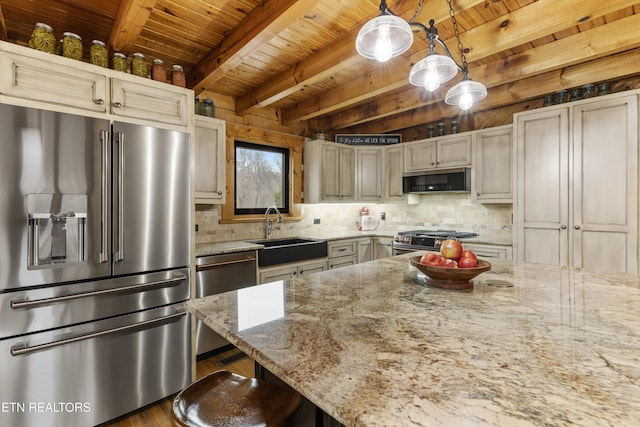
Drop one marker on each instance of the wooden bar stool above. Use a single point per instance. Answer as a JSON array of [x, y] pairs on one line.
[[230, 400]]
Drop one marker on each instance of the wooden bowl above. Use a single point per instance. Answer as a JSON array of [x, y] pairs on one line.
[[449, 278]]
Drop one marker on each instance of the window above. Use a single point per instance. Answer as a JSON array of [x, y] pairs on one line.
[[261, 178]]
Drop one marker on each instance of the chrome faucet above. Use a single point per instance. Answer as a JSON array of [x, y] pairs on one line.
[[268, 224]]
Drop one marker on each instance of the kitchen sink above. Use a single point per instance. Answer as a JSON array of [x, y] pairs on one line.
[[292, 249]]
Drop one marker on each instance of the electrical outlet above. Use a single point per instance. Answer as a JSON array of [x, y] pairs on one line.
[[197, 228], [316, 220], [383, 216]]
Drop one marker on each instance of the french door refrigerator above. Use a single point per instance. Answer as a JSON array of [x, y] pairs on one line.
[[94, 255]]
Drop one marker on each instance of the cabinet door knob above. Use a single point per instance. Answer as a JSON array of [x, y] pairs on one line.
[[99, 101], [577, 227], [219, 193], [564, 227], [117, 105]]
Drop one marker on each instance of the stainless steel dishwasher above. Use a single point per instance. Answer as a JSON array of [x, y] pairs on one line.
[[216, 274]]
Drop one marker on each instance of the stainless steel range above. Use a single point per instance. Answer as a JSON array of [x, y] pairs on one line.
[[426, 240]]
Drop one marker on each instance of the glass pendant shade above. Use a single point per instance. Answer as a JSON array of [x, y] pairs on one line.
[[432, 70], [465, 93], [384, 37]]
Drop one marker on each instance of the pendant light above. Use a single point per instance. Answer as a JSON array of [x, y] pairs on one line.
[[388, 36], [384, 37]]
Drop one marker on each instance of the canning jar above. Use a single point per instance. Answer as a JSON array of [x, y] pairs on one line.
[[455, 127], [43, 39], [588, 91], [440, 128], [177, 76], [208, 109], [548, 100], [576, 94], [604, 89], [119, 62], [98, 54], [138, 65], [158, 72], [431, 131], [560, 96], [72, 46]]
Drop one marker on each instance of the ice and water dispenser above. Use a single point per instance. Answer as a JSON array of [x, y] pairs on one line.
[[57, 229]]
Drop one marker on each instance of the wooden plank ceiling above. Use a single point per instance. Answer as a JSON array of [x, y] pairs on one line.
[[299, 57]]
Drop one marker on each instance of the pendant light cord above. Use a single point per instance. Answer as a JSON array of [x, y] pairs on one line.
[[418, 10], [463, 58]]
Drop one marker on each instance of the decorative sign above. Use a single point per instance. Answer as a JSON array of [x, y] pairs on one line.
[[369, 139]]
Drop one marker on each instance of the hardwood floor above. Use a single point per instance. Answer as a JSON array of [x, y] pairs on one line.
[[159, 414]]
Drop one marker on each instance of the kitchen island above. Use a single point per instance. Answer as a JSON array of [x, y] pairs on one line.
[[371, 345]]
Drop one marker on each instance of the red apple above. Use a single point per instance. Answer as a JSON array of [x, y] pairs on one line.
[[430, 258], [449, 263], [467, 262], [467, 253], [451, 249]]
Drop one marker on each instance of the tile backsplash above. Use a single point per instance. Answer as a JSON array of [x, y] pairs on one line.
[[434, 211]]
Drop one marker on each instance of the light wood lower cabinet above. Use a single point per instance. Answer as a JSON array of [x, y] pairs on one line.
[[488, 251], [292, 270], [342, 253], [382, 247]]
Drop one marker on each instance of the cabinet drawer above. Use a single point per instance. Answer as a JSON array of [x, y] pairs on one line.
[[144, 101], [343, 261], [490, 251], [45, 81], [342, 248]]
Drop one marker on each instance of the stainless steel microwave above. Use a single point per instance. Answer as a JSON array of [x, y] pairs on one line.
[[458, 180]]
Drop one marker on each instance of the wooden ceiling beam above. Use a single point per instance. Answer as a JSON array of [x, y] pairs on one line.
[[261, 25], [581, 47], [132, 17], [494, 36], [609, 68], [3, 27], [341, 54]]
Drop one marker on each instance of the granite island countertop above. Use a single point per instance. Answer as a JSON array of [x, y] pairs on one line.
[[371, 345]]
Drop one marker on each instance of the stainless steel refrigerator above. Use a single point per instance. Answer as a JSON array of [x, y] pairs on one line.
[[94, 255]]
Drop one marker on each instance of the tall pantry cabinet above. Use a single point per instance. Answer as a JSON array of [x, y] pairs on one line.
[[577, 184]]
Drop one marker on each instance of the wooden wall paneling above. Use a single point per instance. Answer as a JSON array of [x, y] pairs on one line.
[[261, 136]]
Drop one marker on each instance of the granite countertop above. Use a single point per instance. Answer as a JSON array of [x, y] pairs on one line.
[[216, 248], [371, 345]]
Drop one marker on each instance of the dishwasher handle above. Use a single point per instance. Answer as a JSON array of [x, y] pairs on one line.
[[223, 263], [21, 351]]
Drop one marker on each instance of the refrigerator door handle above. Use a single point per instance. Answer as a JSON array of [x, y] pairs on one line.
[[47, 301], [104, 200], [119, 254], [24, 350]]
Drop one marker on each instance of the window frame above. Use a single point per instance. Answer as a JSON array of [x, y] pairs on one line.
[[294, 143], [286, 179]]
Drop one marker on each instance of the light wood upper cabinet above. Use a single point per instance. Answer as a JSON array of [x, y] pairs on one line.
[[338, 179], [342, 173], [143, 99], [369, 174], [209, 160], [329, 172], [394, 157], [492, 177], [40, 80], [438, 153], [577, 184]]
